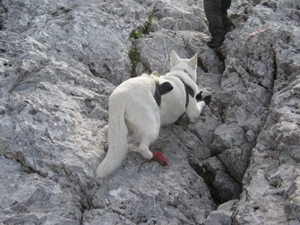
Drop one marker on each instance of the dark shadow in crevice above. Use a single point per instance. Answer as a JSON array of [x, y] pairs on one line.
[[219, 195]]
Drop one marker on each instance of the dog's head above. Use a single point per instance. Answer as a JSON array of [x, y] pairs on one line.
[[187, 65]]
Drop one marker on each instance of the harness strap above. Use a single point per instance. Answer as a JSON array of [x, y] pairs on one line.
[[160, 90], [188, 91], [157, 95]]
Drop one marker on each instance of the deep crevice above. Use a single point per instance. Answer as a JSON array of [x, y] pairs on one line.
[[208, 177], [221, 58], [202, 66], [3, 15]]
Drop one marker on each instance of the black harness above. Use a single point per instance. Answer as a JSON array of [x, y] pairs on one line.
[[157, 95], [188, 91], [166, 87], [160, 90]]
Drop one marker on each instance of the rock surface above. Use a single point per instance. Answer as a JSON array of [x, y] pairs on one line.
[[60, 61]]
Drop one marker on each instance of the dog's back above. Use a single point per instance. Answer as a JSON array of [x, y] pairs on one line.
[[139, 92]]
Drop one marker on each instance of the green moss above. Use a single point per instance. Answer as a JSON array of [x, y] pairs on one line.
[[94, 72], [145, 29], [135, 58], [134, 54], [135, 34], [148, 24]]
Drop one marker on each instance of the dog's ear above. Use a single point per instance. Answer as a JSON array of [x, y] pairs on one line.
[[175, 59], [193, 61]]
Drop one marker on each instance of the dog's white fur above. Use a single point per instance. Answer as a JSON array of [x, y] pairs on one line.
[[134, 111]]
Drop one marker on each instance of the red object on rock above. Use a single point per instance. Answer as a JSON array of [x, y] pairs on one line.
[[160, 158]]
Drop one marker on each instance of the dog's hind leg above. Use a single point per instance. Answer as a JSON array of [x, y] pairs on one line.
[[144, 122], [147, 132], [143, 149]]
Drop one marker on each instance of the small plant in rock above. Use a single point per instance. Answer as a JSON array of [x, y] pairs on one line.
[[148, 24], [135, 34], [134, 54], [134, 57]]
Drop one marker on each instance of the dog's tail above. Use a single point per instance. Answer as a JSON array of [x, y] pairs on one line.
[[117, 139]]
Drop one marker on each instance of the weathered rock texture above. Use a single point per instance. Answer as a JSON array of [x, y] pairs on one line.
[[59, 62]]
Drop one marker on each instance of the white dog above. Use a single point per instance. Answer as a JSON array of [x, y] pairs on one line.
[[141, 105]]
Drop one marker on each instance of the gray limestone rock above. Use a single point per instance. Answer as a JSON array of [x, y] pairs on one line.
[[61, 60]]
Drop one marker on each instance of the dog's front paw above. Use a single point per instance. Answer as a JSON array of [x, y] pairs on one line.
[[207, 99], [160, 158]]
